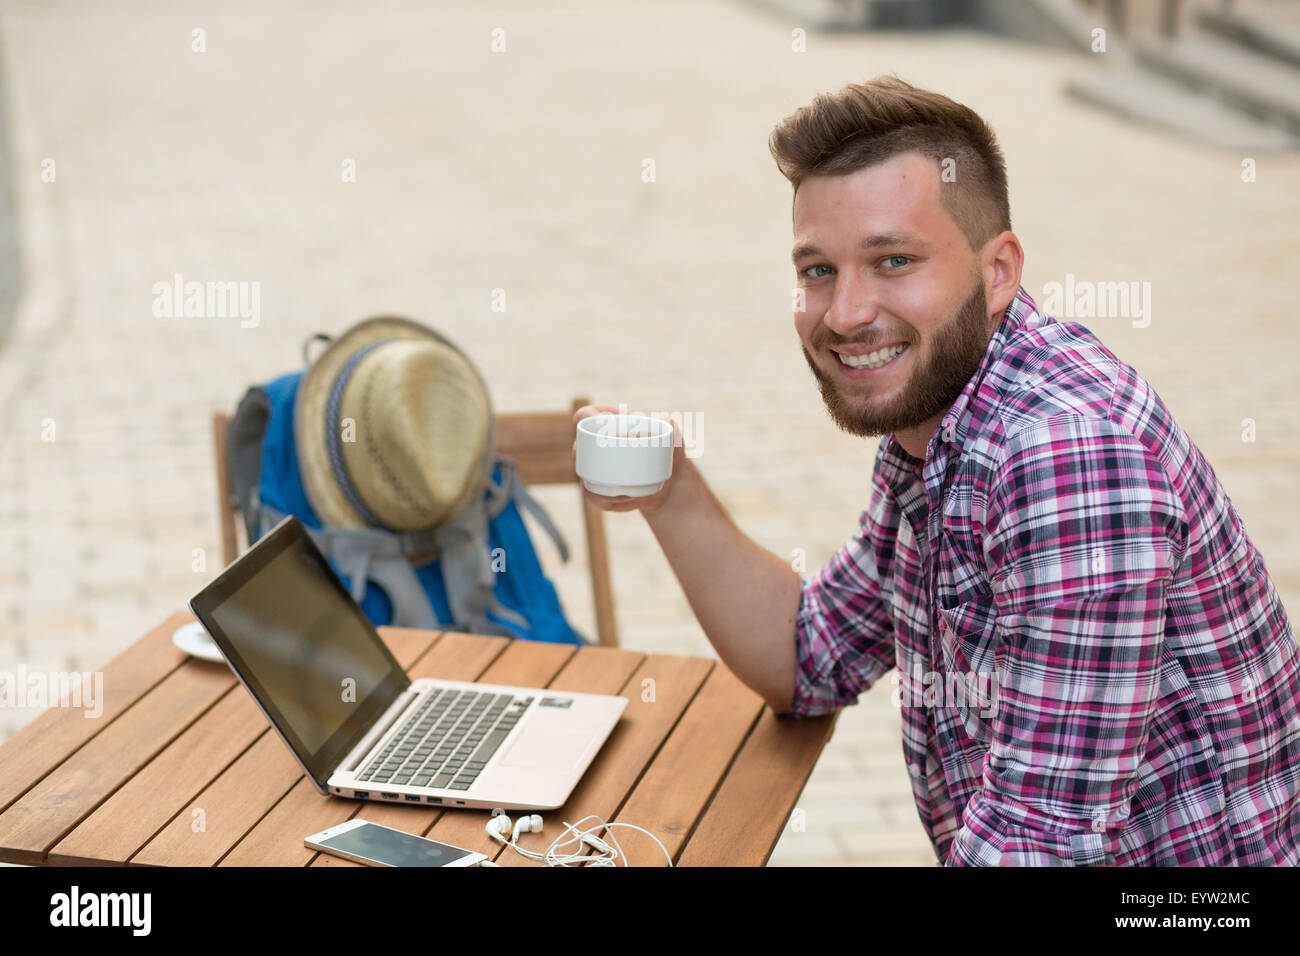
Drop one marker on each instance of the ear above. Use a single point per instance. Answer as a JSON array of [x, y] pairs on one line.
[[1000, 266]]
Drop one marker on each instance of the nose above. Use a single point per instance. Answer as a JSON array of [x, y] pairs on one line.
[[853, 305]]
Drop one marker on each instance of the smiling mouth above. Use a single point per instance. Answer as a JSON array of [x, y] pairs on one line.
[[877, 359]]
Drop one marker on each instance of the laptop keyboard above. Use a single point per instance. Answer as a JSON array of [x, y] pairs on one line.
[[448, 740]]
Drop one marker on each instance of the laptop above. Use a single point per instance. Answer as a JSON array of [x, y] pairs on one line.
[[358, 725]]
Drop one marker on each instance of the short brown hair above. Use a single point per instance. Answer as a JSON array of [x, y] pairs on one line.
[[867, 123]]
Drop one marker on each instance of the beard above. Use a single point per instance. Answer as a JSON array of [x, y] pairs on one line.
[[937, 378]]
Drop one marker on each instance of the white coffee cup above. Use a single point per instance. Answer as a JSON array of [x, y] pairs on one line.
[[609, 463]]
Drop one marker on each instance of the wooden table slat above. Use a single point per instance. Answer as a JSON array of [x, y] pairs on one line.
[[70, 792], [144, 804], [674, 792], [217, 819], [782, 749], [47, 741]]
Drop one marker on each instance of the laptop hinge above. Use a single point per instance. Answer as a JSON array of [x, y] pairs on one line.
[[399, 707]]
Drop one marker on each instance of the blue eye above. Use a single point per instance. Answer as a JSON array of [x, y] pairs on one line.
[[810, 268], [905, 260]]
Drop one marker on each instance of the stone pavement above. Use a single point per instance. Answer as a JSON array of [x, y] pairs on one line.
[[522, 171]]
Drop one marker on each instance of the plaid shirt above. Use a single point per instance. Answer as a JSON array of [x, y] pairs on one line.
[[1094, 666]]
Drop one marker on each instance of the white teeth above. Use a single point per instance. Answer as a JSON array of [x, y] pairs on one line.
[[874, 359]]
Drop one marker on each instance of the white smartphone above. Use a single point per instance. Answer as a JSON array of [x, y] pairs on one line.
[[375, 845]]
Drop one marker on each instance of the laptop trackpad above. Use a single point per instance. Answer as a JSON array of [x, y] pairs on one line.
[[542, 747]]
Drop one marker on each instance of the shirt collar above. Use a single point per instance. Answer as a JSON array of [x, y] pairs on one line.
[[895, 465]]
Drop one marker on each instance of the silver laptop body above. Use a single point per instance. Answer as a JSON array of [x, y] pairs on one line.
[[479, 745]]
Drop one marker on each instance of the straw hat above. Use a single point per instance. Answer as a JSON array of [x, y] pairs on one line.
[[394, 428]]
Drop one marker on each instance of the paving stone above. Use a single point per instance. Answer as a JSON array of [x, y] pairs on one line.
[[801, 849], [868, 841]]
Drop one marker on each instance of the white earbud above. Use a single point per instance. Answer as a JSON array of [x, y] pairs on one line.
[[497, 827], [529, 824]]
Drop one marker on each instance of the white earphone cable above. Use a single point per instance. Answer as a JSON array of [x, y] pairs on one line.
[[605, 854]]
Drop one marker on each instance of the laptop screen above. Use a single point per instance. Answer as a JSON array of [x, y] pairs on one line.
[[303, 647]]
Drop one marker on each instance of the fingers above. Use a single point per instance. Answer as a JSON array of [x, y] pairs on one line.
[[612, 502], [586, 411], [617, 502]]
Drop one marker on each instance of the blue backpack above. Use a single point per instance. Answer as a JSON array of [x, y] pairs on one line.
[[504, 593]]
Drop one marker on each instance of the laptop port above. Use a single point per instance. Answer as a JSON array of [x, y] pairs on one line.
[[362, 794], [413, 798], [460, 803], [433, 799], [389, 796]]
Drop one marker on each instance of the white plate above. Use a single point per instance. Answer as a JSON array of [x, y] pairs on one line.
[[193, 639]]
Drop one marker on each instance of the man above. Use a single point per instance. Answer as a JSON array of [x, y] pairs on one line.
[[1039, 527]]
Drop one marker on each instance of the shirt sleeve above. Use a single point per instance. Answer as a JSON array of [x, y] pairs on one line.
[[844, 635], [1085, 533]]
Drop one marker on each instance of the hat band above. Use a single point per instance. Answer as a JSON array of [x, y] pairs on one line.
[[334, 441]]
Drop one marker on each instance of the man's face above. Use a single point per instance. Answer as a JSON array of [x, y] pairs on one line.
[[895, 321]]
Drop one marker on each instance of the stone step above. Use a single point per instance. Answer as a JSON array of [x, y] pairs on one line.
[[1158, 101], [1060, 23], [1263, 86], [832, 15], [1246, 27]]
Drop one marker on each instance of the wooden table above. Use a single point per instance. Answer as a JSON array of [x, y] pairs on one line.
[[181, 768]]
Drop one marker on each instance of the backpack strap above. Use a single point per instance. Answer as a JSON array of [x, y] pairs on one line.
[[467, 573], [462, 548], [244, 454], [511, 488]]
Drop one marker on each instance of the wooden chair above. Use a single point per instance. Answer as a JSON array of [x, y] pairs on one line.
[[541, 444]]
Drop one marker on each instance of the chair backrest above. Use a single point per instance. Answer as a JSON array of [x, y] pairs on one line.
[[541, 443]]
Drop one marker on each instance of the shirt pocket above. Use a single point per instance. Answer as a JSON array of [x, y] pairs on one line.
[[972, 654]]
